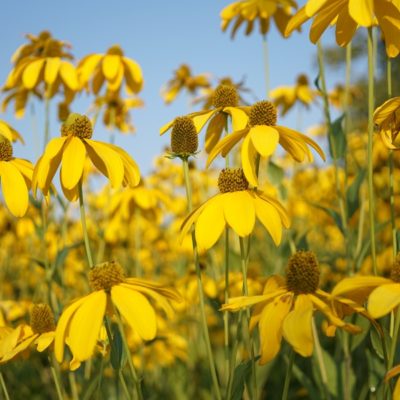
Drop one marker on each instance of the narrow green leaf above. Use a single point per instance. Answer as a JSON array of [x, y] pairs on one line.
[[377, 344], [337, 139], [240, 376], [353, 194], [117, 352]]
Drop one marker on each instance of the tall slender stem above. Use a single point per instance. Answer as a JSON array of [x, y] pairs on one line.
[[370, 146], [226, 298], [289, 370], [266, 66], [200, 285], [84, 227], [56, 379], [4, 387], [46, 120]]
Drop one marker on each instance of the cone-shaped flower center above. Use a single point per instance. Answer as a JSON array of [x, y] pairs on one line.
[[6, 150], [225, 96], [263, 113], [302, 272], [42, 319], [115, 50], [105, 275], [77, 125], [232, 180], [44, 35], [302, 80], [184, 138], [395, 272]]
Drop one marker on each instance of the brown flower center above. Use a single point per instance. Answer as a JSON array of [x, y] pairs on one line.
[[77, 125], [225, 96], [395, 272], [6, 150], [105, 275], [42, 319], [232, 180], [302, 272], [263, 113], [302, 80], [115, 50], [184, 138]]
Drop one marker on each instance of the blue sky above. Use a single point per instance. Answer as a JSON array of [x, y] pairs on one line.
[[159, 35]]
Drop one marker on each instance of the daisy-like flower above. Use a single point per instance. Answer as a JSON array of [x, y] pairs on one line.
[[71, 150], [249, 11], [16, 178], [387, 118], [287, 306], [285, 97], [237, 206], [40, 332], [347, 15], [80, 322], [183, 79], [112, 67], [225, 102], [261, 136]]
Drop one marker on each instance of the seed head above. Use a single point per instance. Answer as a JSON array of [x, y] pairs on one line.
[[232, 180], [302, 272], [184, 138], [263, 113], [6, 150], [42, 319], [225, 96], [105, 275], [77, 125], [115, 50], [395, 272], [302, 80]]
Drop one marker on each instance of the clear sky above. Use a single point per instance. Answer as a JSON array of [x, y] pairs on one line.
[[159, 35]]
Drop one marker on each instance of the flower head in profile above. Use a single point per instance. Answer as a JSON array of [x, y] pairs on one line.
[[287, 306], [40, 332], [71, 149], [113, 68], [285, 97], [238, 207], [183, 80], [261, 136], [250, 11], [347, 16], [81, 321], [387, 118], [16, 177]]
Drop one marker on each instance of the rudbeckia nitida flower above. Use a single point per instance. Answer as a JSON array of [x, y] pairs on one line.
[[16, 178], [287, 306], [40, 332], [112, 67], [71, 149], [387, 118], [81, 321], [261, 136], [347, 15], [237, 206], [249, 11], [225, 101]]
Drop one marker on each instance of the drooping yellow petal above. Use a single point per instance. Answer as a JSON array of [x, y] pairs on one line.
[[131, 169], [156, 287], [386, 110], [85, 325], [345, 28], [313, 6], [14, 189], [210, 224], [5, 131], [51, 69], [239, 211], [296, 21], [31, 73], [362, 11], [297, 326], [384, 299], [200, 118], [25, 167], [115, 84], [358, 284], [73, 161], [166, 127], [214, 131], [87, 66], [133, 75], [68, 75], [25, 343], [44, 341], [248, 154], [111, 64], [265, 139], [191, 218], [136, 310], [239, 118]]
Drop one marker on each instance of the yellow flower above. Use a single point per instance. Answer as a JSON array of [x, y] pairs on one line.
[[80, 323], [286, 308], [112, 67], [183, 79], [71, 150], [250, 10], [337, 96], [237, 206], [285, 97], [387, 117], [9, 132], [347, 15], [261, 136], [16, 178], [40, 332]]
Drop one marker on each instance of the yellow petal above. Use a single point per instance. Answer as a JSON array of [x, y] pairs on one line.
[[31, 73], [248, 154], [270, 218], [51, 69], [297, 326], [200, 118], [87, 66], [210, 224], [239, 211], [68, 75], [383, 299], [362, 11], [156, 287], [214, 131], [314, 6], [191, 218], [14, 189], [265, 139], [386, 110], [133, 75], [44, 341], [345, 28], [166, 127], [111, 64], [239, 118], [363, 284], [25, 343], [115, 84], [136, 310], [5, 131], [296, 21], [73, 161], [85, 325]]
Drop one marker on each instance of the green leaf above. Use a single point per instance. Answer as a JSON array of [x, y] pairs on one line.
[[353, 194], [275, 173], [331, 371], [356, 340], [316, 83], [117, 351], [337, 139], [240, 376], [377, 344], [332, 213]]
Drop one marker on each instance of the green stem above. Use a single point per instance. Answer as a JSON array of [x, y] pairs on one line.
[[72, 384], [394, 338], [56, 379], [266, 65], [46, 121], [84, 227], [370, 146], [226, 298], [289, 370], [3, 386], [137, 234], [200, 285], [123, 384]]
